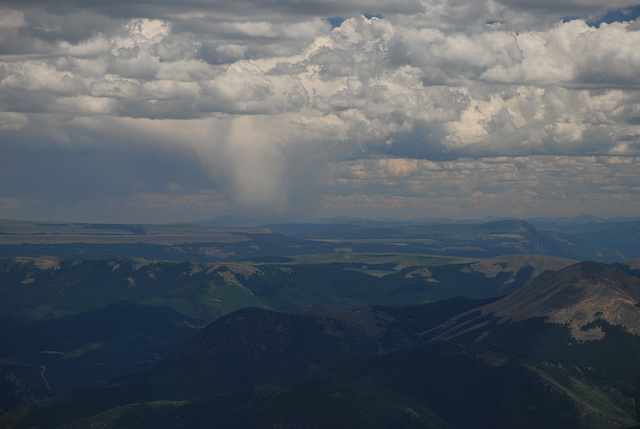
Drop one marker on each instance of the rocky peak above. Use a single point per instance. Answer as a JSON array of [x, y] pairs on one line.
[[576, 295]]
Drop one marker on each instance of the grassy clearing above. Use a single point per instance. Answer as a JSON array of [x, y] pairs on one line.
[[402, 260], [597, 404], [396, 241], [91, 347], [372, 262], [25, 232]]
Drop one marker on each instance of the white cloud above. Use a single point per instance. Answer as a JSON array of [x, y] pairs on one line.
[[11, 18], [13, 121], [373, 104], [520, 186]]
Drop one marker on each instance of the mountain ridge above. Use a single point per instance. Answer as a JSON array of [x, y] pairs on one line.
[[576, 295]]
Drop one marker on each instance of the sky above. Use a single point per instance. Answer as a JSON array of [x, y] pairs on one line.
[[175, 111]]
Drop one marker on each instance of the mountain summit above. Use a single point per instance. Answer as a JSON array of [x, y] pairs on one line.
[[576, 295]]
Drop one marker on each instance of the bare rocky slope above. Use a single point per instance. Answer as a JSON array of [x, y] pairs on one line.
[[576, 296]]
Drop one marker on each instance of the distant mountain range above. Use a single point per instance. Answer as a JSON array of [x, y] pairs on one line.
[[50, 287], [561, 351], [240, 220], [598, 241]]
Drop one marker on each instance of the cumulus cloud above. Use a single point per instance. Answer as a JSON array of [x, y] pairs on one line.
[[13, 121], [518, 185], [271, 108]]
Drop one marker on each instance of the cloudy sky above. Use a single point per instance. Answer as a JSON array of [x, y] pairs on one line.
[[170, 110]]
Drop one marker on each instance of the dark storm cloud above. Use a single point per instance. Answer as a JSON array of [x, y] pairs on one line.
[[237, 8], [569, 6]]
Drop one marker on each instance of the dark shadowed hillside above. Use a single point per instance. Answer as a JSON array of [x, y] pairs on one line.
[[40, 294], [560, 352], [45, 358]]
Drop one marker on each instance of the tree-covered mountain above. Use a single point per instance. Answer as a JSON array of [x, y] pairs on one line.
[[49, 287], [44, 358], [530, 359], [56, 311]]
